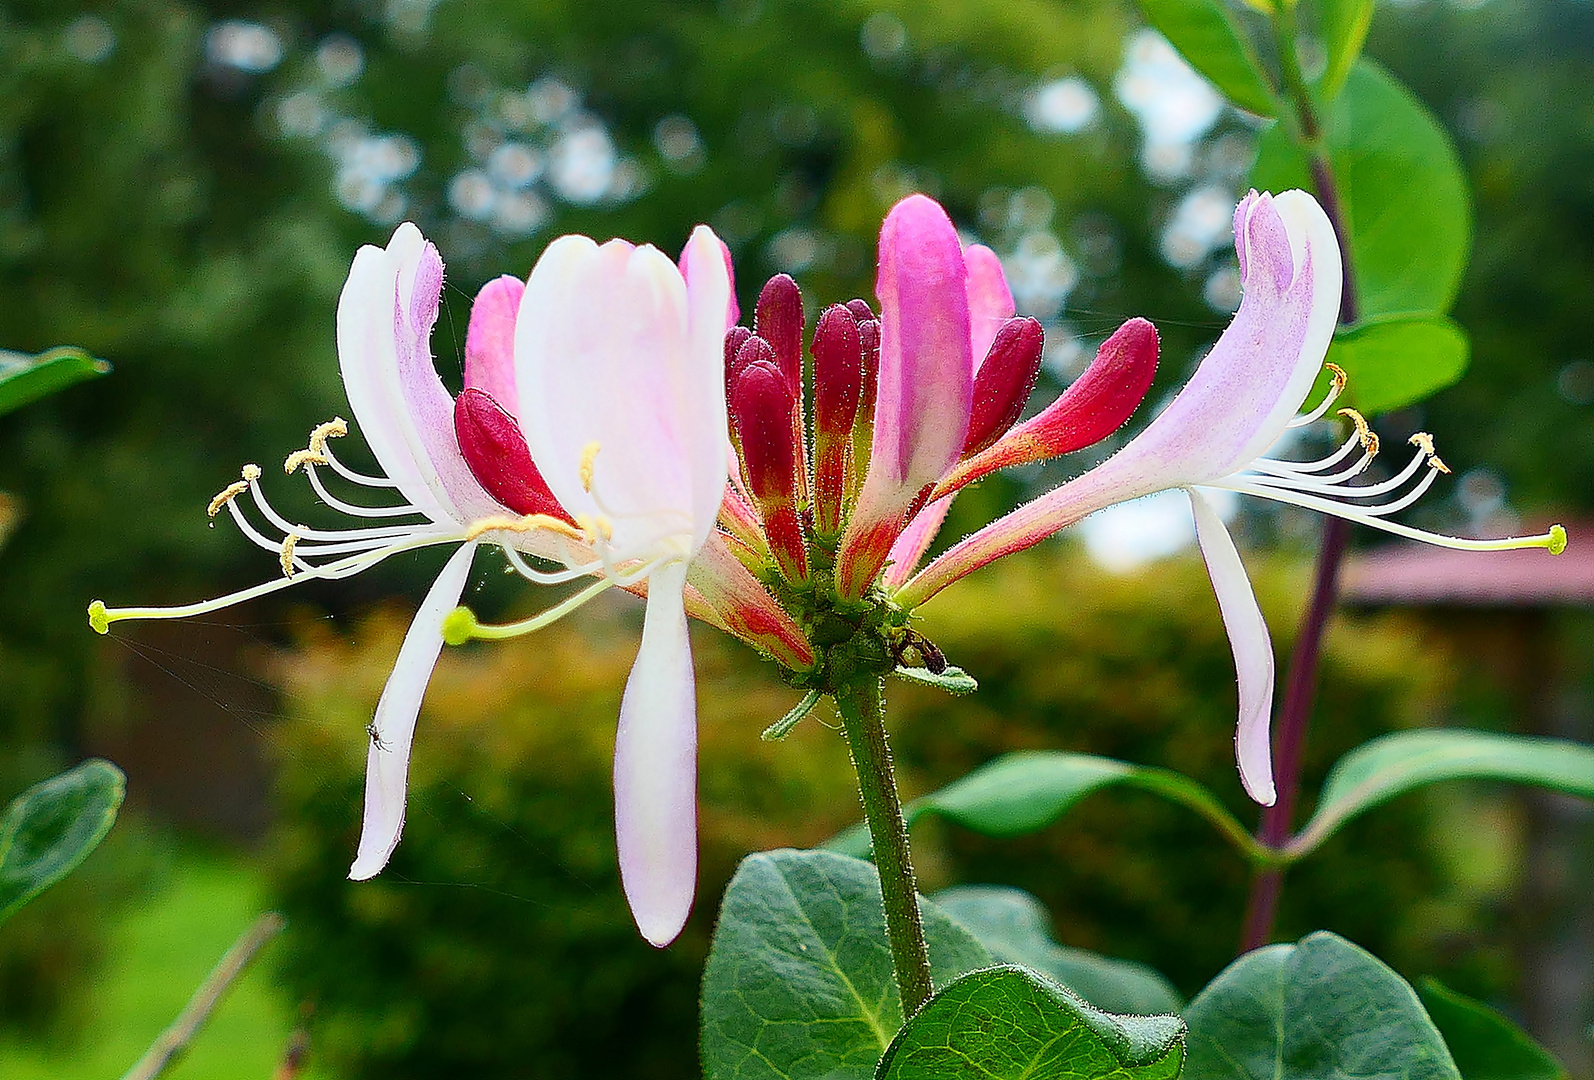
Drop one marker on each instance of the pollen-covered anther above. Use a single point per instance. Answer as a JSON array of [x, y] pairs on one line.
[[289, 542], [303, 457], [594, 527], [1368, 437], [526, 524], [1424, 442], [316, 452], [589, 455], [225, 496], [1337, 374]]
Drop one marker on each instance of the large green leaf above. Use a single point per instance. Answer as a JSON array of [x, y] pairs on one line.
[[1210, 39], [1016, 928], [1377, 771], [1006, 1023], [1397, 361], [1322, 1009], [1402, 191], [1485, 1044], [799, 980], [1344, 24], [1022, 792], [51, 828], [25, 378]]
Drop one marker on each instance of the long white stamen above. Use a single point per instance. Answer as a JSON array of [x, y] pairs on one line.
[[100, 616], [1335, 388], [547, 577], [351, 509], [1554, 540], [1335, 485], [355, 477], [287, 526]]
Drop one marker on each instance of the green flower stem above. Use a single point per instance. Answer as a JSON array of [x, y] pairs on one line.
[[1273, 833], [863, 719]]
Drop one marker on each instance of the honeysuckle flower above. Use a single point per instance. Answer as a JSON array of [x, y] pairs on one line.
[[1216, 434], [590, 435]]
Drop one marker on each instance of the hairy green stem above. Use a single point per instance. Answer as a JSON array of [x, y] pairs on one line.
[[863, 718]]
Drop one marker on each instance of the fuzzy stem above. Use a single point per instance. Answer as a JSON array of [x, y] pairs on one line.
[[863, 718]]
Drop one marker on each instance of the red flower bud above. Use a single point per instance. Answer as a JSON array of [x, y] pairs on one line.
[[735, 338], [838, 385], [869, 337], [1004, 382], [494, 448], [780, 322], [763, 408]]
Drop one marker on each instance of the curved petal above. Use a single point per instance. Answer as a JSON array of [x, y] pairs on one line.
[[990, 300], [385, 316], [612, 349], [1253, 649], [388, 759], [655, 768], [490, 341], [915, 541], [497, 455]]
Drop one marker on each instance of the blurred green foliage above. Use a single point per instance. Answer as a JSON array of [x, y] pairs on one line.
[[498, 936]]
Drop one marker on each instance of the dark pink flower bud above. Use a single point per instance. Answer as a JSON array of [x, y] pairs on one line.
[[735, 338], [780, 322], [762, 409], [494, 448], [1004, 382], [869, 339], [838, 385]]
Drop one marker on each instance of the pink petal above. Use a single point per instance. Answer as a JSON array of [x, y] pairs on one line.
[[385, 316], [1253, 649], [490, 341], [915, 541], [655, 768], [990, 300], [387, 764], [733, 311]]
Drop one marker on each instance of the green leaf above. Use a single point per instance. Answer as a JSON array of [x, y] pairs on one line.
[[1210, 39], [954, 680], [1344, 24], [1022, 792], [25, 378], [1006, 1022], [1398, 360], [1322, 1009], [1016, 928], [1402, 191], [51, 828], [1377, 771], [1485, 1044], [799, 981]]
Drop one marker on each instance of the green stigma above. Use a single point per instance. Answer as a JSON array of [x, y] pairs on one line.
[[99, 618], [460, 625], [1557, 542]]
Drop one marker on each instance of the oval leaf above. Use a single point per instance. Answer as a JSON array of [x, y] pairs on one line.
[[1026, 791], [1485, 1044], [1211, 41], [25, 378], [1323, 1009], [1377, 771], [1006, 1022], [1402, 191], [51, 828], [1395, 362], [1016, 929], [1345, 24], [799, 980]]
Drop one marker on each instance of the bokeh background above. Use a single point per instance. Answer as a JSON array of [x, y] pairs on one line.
[[182, 186]]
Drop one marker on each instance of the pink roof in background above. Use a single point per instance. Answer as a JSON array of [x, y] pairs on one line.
[[1418, 574]]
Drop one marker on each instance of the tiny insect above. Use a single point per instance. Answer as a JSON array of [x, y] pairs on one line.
[[376, 736]]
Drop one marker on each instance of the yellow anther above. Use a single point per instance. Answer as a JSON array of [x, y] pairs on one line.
[[589, 454], [289, 542], [1369, 438], [529, 523], [302, 457], [598, 527], [1337, 373], [251, 473], [226, 495], [1424, 442]]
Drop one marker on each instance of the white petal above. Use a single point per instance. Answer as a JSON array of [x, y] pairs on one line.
[[1253, 649], [655, 768], [387, 764]]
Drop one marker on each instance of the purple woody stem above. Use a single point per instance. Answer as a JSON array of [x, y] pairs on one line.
[[1261, 909]]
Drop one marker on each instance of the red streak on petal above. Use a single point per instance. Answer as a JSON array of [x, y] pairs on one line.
[[496, 452]]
